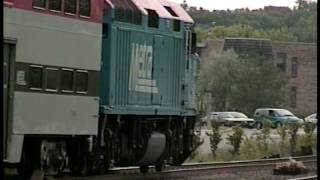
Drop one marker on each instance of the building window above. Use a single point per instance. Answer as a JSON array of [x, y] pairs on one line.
[[67, 80], [153, 18], [35, 77], [294, 65], [84, 8], [55, 5], [293, 97], [81, 81], [39, 3], [281, 61], [70, 6], [52, 79]]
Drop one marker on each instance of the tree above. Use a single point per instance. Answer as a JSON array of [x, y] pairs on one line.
[[275, 23], [243, 82], [184, 5], [216, 78]]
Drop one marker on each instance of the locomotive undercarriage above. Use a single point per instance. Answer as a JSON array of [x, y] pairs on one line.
[[121, 141], [142, 141]]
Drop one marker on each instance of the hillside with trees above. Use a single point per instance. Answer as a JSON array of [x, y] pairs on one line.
[[276, 23]]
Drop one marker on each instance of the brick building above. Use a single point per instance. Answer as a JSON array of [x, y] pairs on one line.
[[298, 60]]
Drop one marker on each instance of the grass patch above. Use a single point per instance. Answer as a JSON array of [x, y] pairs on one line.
[[249, 150]]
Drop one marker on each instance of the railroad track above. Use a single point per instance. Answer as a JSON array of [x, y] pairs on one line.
[[305, 178], [186, 171]]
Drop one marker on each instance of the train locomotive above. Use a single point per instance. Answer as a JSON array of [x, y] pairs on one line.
[[94, 84]]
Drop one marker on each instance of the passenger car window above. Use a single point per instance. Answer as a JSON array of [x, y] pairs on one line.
[[52, 79], [70, 6], [67, 80], [84, 7], [39, 3], [35, 77], [81, 81], [55, 5]]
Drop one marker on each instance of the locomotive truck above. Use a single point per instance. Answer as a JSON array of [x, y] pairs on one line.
[[93, 84]]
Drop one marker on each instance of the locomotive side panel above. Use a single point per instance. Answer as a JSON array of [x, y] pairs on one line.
[[144, 69]]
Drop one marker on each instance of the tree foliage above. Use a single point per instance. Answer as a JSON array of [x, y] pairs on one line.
[[243, 82], [275, 23]]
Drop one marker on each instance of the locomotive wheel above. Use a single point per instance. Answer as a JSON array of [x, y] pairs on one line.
[[30, 158], [79, 161], [159, 167], [144, 169], [80, 168], [25, 167]]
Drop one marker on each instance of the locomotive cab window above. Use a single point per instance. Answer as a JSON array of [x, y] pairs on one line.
[[55, 5], [105, 30], [67, 80], [176, 25], [81, 82], [193, 43], [35, 77], [70, 6], [153, 18], [52, 79], [171, 11], [41, 4], [84, 8]]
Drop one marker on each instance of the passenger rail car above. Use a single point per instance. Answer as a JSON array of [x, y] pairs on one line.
[[89, 85]]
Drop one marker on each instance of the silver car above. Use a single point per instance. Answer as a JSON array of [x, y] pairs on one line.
[[311, 118], [233, 118]]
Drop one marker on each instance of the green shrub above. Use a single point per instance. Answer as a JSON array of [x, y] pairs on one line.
[[263, 137], [306, 141], [293, 131], [248, 149], [235, 139], [215, 137], [282, 131]]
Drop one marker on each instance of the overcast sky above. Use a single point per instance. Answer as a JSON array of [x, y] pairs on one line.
[[237, 4]]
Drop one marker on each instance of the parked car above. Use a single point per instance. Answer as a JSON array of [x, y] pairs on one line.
[[212, 116], [233, 118], [278, 117], [311, 118]]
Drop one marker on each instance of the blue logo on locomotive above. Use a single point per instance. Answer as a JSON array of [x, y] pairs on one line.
[[140, 79]]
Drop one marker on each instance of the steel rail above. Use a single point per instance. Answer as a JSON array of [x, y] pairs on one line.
[[305, 178], [202, 168]]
